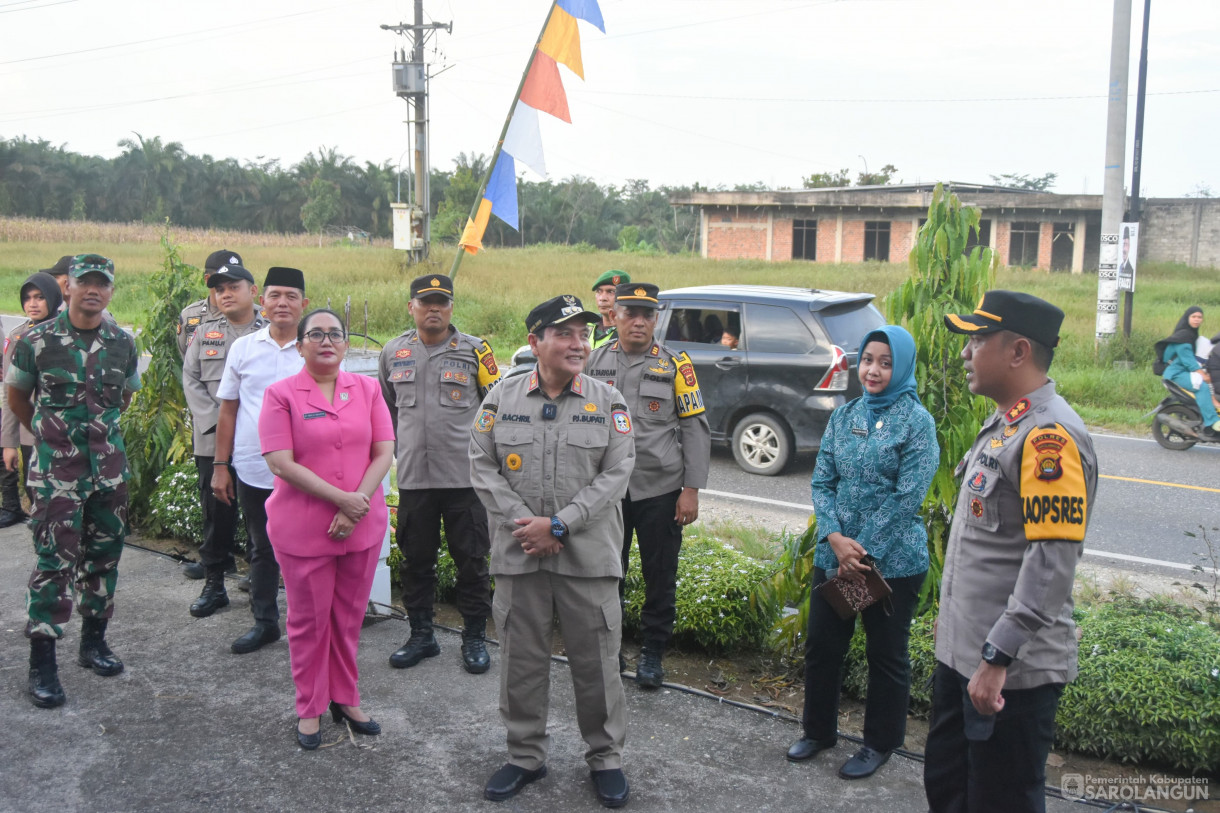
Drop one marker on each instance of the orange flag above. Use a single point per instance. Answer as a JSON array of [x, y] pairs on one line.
[[543, 90], [561, 41]]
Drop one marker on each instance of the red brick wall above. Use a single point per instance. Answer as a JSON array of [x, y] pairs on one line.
[[902, 239], [1046, 239], [853, 241], [1003, 231], [781, 240], [739, 236]]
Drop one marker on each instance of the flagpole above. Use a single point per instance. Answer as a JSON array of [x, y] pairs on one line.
[[474, 210]]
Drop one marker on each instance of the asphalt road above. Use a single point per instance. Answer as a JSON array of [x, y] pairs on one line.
[[1147, 499]]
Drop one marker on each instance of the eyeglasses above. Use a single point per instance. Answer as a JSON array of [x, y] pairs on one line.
[[335, 336]]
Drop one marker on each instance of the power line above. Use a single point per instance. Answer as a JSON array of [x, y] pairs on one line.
[[31, 8]]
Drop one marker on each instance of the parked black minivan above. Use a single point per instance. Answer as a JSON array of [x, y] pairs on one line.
[[772, 362]]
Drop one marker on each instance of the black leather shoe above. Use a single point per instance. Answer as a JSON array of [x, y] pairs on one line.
[[805, 748], [194, 570], [213, 596], [509, 780], [864, 763], [258, 636], [622, 662], [611, 787], [369, 727], [10, 518], [45, 689], [309, 742], [94, 653]]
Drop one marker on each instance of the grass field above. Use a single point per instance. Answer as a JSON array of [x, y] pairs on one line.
[[497, 288]]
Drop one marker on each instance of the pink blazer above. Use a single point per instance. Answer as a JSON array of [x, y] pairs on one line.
[[333, 441]]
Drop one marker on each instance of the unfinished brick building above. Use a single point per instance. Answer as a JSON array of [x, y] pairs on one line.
[[857, 224]]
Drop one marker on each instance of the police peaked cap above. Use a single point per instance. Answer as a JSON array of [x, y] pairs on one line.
[[223, 257], [430, 284], [639, 294], [1020, 313], [556, 311], [229, 273]]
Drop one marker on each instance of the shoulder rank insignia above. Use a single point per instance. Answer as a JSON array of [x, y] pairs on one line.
[[1054, 494], [192, 321], [1017, 410], [997, 443]]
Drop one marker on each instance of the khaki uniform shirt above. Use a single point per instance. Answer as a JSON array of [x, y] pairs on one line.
[[189, 320], [673, 440], [12, 433], [434, 396], [202, 368], [574, 465], [1017, 536]]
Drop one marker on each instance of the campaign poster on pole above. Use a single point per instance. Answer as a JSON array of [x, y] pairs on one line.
[[1129, 246]]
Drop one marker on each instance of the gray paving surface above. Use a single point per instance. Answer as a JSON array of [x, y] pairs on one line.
[[191, 727]]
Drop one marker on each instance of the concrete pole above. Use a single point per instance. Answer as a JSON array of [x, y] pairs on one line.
[[419, 103], [1112, 195]]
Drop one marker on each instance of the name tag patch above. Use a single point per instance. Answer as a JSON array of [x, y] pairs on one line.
[[311, 415]]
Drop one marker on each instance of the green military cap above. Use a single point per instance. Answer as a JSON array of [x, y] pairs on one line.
[[611, 277], [83, 264]]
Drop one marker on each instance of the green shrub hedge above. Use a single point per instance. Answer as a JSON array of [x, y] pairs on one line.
[[715, 581], [1148, 689], [174, 510]]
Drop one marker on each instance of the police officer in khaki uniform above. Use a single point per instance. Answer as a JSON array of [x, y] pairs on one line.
[[234, 290], [201, 310], [674, 447], [1005, 640], [603, 294], [550, 457], [433, 378]]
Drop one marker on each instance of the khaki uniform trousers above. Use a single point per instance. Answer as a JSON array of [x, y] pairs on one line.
[[590, 620]]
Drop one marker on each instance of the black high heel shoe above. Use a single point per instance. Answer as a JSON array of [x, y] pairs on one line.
[[309, 742], [369, 727]]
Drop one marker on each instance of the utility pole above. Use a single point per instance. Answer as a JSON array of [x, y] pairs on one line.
[[412, 221], [1137, 162], [1112, 194]]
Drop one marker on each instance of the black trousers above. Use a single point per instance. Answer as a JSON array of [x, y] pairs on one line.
[[10, 489], [264, 570], [1005, 773], [660, 540], [219, 521], [420, 514], [886, 647]]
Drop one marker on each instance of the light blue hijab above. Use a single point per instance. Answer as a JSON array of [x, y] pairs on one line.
[[902, 348]]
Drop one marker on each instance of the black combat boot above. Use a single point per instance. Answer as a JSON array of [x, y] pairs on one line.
[[94, 654], [213, 596], [422, 644], [648, 671], [45, 691], [474, 645]]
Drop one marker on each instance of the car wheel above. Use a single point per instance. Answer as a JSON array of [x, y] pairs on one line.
[[762, 444]]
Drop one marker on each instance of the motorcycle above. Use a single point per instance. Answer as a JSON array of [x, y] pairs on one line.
[[1176, 422]]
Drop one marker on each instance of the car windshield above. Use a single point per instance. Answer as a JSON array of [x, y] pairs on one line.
[[849, 324]]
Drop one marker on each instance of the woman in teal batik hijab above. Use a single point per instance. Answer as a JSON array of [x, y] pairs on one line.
[[875, 465]]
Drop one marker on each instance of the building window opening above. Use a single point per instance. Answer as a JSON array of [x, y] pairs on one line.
[[804, 239], [1023, 243], [1063, 246], [877, 240]]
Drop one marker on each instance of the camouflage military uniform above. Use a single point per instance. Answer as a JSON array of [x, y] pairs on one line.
[[79, 473]]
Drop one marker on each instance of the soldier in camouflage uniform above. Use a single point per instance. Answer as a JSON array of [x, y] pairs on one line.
[[82, 370], [202, 310]]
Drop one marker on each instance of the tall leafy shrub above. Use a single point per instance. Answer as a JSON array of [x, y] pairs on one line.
[[155, 426], [945, 278]]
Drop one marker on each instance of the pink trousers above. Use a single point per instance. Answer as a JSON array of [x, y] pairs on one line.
[[327, 597]]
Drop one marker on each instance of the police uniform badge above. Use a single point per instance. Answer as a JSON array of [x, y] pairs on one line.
[[485, 421], [404, 353], [622, 422], [590, 407], [686, 388], [214, 334], [1054, 494], [1010, 430], [513, 462]]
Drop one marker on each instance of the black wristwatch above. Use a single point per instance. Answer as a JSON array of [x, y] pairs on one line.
[[994, 656], [558, 529]]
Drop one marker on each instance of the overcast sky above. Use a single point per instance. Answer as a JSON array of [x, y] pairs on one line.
[[676, 91]]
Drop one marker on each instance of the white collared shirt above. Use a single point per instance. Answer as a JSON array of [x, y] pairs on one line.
[[255, 362]]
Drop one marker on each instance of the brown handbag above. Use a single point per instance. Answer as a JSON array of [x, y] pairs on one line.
[[848, 597]]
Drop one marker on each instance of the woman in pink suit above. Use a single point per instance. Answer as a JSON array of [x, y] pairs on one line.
[[328, 439]]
